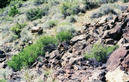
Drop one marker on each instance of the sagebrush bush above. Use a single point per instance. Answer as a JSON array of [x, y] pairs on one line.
[[68, 9], [90, 4], [12, 37], [100, 52], [52, 23], [104, 10], [39, 2], [64, 36], [36, 13], [29, 54], [17, 3], [17, 28], [105, 1], [13, 11], [3, 80]]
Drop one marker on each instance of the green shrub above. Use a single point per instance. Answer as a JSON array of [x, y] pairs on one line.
[[13, 11], [17, 28], [68, 9], [64, 36], [90, 4], [12, 37], [36, 13], [100, 52], [29, 54], [3, 80], [52, 23]]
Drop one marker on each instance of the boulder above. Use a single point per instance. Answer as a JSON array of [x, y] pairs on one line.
[[78, 38], [36, 30], [117, 76], [116, 58], [125, 63]]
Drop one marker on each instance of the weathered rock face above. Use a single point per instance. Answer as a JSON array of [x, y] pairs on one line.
[[117, 76], [118, 66], [116, 58]]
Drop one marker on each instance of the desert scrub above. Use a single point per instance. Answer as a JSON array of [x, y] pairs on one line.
[[36, 13], [3, 80], [12, 37], [90, 4], [64, 36], [68, 8], [13, 11], [52, 23], [39, 2], [124, 1], [16, 29], [29, 54], [104, 10], [17, 3], [100, 52]]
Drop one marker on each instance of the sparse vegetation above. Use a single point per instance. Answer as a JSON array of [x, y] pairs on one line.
[[68, 8], [104, 10], [13, 11], [36, 13], [125, 1], [43, 24], [100, 52], [52, 23], [90, 4], [17, 28], [64, 36], [29, 54], [39, 2], [3, 80]]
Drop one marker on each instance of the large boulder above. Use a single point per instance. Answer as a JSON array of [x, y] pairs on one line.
[[116, 58], [117, 76], [36, 30]]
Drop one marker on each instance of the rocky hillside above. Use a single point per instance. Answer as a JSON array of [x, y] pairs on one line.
[[62, 41]]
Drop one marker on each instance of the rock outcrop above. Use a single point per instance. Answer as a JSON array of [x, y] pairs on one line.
[[69, 63]]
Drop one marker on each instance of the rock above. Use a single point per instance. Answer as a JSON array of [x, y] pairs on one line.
[[102, 21], [125, 63], [117, 76], [36, 29], [49, 48], [110, 41], [2, 54], [2, 65], [78, 38], [116, 58], [116, 32], [128, 9]]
